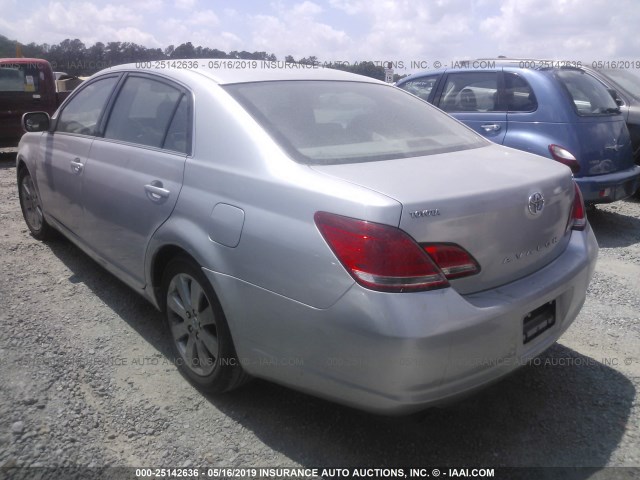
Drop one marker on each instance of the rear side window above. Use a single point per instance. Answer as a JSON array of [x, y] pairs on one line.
[[470, 92], [330, 122], [518, 94], [143, 114], [589, 96], [83, 111], [420, 87], [177, 138], [20, 77]]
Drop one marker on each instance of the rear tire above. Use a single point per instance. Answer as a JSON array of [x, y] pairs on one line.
[[31, 206], [200, 336]]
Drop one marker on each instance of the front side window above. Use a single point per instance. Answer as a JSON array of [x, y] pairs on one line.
[[331, 122], [470, 92], [83, 111], [143, 113], [589, 96], [421, 87]]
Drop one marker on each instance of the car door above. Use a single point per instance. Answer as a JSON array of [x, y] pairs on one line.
[[134, 174], [473, 97], [66, 149], [525, 125]]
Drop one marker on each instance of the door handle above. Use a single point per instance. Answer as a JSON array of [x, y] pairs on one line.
[[490, 127], [155, 191], [76, 166]]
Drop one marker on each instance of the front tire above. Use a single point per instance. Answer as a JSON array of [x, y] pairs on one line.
[[31, 206], [200, 336]]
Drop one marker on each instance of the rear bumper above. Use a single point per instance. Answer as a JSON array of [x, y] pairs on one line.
[[610, 187], [398, 353]]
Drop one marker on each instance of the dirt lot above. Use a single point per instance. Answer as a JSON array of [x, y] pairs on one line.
[[85, 380]]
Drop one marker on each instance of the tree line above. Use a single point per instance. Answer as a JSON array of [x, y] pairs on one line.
[[75, 58]]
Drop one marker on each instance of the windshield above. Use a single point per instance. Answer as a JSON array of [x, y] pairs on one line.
[[589, 96], [330, 122], [19, 77], [627, 79]]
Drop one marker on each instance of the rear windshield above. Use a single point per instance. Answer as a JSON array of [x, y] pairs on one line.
[[589, 96], [331, 122], [19, 77]]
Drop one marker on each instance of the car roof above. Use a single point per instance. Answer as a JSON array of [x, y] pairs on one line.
[[241, 71], [517, 61], [510, 64]]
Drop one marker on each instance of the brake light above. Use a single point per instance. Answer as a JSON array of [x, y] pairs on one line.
[[578, 219], [385, 258], [562, 155], [454, 261]]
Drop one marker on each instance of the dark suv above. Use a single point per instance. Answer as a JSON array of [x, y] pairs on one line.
[[26, 85]]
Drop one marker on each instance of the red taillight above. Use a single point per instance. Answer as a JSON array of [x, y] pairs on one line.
[[384, 258], [564, 156], [578, 215], [453, 260]]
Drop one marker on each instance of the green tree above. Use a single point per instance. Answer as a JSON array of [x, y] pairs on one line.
[[186, 50]]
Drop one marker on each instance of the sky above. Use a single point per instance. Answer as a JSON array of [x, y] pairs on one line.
[[413, 32]]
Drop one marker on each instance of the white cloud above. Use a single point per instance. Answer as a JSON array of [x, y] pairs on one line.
[[350, 30], [565, 29], [199, 29], [150, 5], [296, 31], [205, 18], [408, 29], [83, 20], [129, 34], [306, 9], [185, 4]]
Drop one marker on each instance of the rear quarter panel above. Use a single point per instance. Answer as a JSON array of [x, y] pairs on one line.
[[237, 164]]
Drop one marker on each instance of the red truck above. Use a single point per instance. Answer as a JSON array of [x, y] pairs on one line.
[[26, 85]]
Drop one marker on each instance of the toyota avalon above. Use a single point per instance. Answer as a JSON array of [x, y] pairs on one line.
[[312, 227]]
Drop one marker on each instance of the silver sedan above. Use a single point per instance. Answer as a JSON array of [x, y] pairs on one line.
[[315, 228]]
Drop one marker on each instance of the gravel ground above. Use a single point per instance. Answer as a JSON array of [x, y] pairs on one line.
[[86, 381]]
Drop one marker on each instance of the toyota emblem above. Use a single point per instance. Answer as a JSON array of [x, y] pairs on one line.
[[536, 203]]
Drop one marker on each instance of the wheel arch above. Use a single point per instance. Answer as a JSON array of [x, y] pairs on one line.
[[159, 262], [21, 165]]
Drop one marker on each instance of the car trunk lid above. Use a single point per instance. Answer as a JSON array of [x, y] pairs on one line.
[[604, 145], [601, 138], [508, 209]]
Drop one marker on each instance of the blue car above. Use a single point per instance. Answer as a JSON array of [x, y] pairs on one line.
[[557, 112]]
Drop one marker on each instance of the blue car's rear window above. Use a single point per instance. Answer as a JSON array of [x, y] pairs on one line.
[[589, 96], [330, 122]]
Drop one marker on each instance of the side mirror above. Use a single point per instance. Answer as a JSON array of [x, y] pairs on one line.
[[615, 96], [36, 122]]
